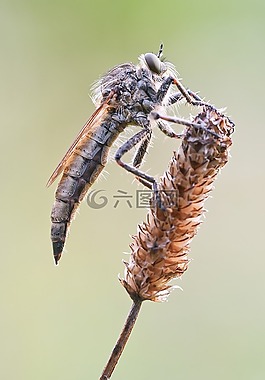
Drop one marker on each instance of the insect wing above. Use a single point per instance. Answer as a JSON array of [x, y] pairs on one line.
[[91, 122]]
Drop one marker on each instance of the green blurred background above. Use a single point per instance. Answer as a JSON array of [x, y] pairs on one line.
[[62, 322]]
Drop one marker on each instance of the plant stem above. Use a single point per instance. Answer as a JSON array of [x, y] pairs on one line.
[[123, 338]]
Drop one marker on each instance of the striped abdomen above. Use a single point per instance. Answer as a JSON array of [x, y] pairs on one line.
[[86, 163]]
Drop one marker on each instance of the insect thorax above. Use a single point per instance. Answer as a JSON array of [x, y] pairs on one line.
[[135, 92]]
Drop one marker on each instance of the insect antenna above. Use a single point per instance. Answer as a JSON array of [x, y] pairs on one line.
[[160, 51]]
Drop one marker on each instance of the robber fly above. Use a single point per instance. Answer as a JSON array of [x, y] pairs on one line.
[[127, 95]]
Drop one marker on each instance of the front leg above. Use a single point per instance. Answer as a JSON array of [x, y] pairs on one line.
[[189, 95], [163, 89], [178, 96]]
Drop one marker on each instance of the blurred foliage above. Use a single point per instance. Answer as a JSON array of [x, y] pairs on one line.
[[61, 322]]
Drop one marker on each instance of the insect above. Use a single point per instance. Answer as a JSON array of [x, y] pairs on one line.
[[126, 95]]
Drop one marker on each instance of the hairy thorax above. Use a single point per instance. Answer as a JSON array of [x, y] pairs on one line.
[[136, 94]]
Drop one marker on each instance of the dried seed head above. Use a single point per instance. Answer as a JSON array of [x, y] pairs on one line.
[[159, 251]]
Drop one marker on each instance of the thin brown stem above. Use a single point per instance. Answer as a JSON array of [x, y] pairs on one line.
[[123, 338]]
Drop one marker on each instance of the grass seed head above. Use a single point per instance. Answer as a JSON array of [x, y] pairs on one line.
[[159, 251]]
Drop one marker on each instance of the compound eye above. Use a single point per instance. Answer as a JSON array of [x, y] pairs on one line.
[[153, 62]]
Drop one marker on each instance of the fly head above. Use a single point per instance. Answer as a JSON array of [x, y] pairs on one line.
[[154, 64]]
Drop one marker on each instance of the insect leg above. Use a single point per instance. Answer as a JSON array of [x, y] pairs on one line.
[[144, 178], [166, 129], [138, 158], [126, 147], [163, 89], [188, 95], [142, 150], [178, 120], [179, 96]]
